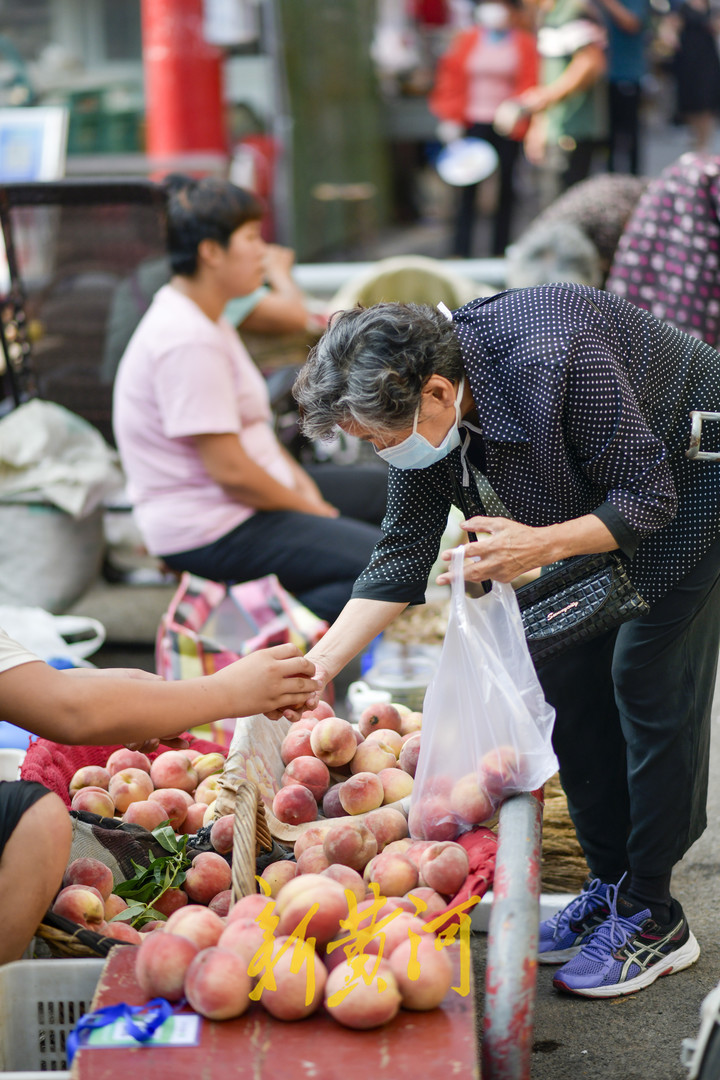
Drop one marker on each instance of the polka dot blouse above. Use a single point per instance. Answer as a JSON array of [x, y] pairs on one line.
[[582, 403]]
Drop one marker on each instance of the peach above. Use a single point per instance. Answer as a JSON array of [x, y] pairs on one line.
[[372, 757], [208, 765], [403, 927], [398, 847], [162, 962], [333, 741], [382, 715], [394, 875], [319, 897], [122, 931], [82, 905], [209, 815], [362, 1000], [428, 903], [397, 784], [90, 872], [348, 878], [500, 771], [250, 907], [432, 819], [174, 802], [245, 937], [313, 860], [207, 790], [410, 723], [470, 800], [89, 776], [309, 837], [424, 983], [391, 740], [409, 755], [93, 800], [127, 759], [444, 867], [221, 903], [296, 743], [221, 833], [92, 889], [128, 786], [208, 875], [171, 769], [170, 901], [350, 844], [306, 722], [322, 711], [294, 805], [386, 824], [361, 792], [195, 817], [217, 984], [278, 874], [310, 772], [189, 753], [331, 805], [440, 784], [113, 906], [199, 924], [146, 813], [151, 925], [294, 983]]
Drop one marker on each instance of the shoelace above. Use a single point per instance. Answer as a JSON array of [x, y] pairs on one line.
[[612, 933], [576, 908]]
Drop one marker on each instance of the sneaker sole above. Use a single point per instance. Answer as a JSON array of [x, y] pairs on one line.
[[676, 961], [560, 956]]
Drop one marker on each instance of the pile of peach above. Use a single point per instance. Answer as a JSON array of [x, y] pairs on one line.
[[378, 758], [356, 958], [179, 786]]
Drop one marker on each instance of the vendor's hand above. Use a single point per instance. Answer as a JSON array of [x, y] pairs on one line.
[[322, 678], [503, 551], [268, 681]]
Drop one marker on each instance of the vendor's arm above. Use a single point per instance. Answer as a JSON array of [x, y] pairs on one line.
[[227, 462], [118, 710]]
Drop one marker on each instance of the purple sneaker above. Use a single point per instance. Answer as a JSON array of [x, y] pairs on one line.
[[628, 951], [561, 937]]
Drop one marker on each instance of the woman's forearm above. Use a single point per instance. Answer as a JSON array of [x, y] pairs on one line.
[[357, 624]]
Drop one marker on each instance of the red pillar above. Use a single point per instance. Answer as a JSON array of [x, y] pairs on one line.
[[183, 83]]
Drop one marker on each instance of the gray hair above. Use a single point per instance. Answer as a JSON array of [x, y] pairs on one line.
[[370, 366]]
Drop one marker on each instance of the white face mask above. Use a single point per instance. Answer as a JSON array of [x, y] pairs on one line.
[[492, 16], [415, 452]]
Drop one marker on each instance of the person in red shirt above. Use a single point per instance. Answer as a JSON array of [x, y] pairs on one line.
[[486, 65]]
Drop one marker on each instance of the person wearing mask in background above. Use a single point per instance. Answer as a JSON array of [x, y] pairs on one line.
[[569, 106], [626, 23], [486, 65]]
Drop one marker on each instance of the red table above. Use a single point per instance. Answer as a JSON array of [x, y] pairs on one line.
[[436, 1045]]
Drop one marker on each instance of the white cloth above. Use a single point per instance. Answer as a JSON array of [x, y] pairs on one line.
[[12, 654]]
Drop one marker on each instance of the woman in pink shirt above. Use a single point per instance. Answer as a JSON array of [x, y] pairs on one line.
[[213, 490]]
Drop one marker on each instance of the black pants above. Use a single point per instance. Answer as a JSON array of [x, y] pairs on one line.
[[632, 731], [315, 558], [16, 798], [507, 151], [624, 109]]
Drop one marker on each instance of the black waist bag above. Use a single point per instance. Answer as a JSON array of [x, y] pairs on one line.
[[575, 601]]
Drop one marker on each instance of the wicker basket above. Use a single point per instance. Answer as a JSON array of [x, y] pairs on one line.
[[66, 940]]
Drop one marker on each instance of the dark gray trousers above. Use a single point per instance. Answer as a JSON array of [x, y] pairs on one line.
[[632, 732]]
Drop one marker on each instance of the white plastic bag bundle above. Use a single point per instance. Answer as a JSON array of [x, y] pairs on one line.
[[487, 727]]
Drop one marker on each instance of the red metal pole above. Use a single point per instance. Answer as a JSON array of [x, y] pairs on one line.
[[183, 81]]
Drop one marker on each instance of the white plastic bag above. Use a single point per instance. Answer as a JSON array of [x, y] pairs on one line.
[[487, 727]]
